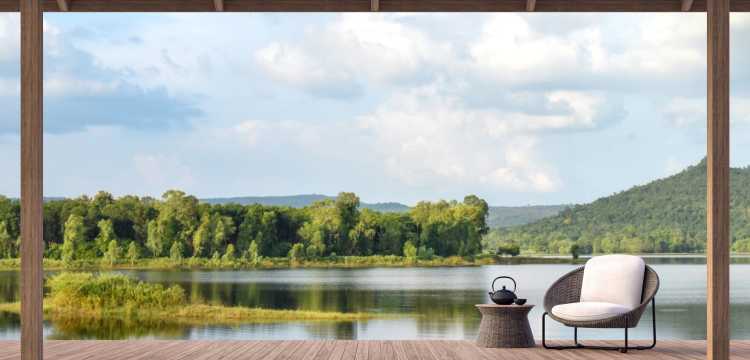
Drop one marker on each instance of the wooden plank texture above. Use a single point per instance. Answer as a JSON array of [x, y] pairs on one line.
[[717, 207], [31, 180], [62, 5], [384, 5], [351, 350]]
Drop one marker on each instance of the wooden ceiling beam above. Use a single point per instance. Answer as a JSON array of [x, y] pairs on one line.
[[219, 5], [687, 5], [62, 5], [530, 5], [382, 5]]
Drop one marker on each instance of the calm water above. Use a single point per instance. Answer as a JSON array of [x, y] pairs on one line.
[[435, 303]]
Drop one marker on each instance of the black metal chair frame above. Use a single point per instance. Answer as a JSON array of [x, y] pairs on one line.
[[622, 349]]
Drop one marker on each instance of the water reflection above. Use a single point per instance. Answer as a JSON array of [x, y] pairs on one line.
[[431, 302]]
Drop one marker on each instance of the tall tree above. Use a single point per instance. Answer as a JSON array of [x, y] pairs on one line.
[[74, 238], [202, 236], [7, 244], [105, 236], [155, 242]]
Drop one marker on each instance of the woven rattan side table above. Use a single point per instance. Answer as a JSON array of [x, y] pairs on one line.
[[505, 326]]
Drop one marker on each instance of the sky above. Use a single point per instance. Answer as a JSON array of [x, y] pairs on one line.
[[516, 108]]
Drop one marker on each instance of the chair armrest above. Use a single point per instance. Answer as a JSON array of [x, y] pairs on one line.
[[567, 289]]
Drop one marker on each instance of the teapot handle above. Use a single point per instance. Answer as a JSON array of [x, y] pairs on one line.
[[503, 277]]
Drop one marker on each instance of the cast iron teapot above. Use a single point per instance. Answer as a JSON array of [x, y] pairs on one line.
[[503, 296]]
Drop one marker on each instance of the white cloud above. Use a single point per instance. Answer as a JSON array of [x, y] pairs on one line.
[[426, 137], [160, 172], [332, 60], [684, 112]]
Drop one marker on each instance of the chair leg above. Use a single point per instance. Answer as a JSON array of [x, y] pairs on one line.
[[625, 349], [621, 349]]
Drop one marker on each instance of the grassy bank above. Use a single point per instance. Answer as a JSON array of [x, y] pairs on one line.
[[89, 297], [266, 263], [193, 314]]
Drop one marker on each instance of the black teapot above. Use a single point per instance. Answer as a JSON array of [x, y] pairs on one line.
[[503, 296]]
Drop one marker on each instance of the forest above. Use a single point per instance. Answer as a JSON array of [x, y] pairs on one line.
[[179, 226], [664, 216]]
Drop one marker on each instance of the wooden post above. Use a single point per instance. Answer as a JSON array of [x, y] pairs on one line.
[[31, 180], [63, 5], [717, 208], [530, 5]]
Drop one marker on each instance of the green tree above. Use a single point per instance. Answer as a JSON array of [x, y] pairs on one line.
[[347, 205], [7, 244], [113, 253], [252, 253], [74, 238], [176, 251], [229, 254], [410, 251], [105, 236], [574, 250], [155, 243], [223, 230], [133, 253], [202, 236], [297, 252]]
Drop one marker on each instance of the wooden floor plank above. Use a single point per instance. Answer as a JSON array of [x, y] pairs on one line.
[[350, 350]]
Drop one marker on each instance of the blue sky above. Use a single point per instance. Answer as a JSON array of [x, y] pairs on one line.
[[516, 108]]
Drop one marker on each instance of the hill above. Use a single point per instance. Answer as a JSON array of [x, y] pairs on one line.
[[504, 216], [299, 201], [665, 215], [499, 216]]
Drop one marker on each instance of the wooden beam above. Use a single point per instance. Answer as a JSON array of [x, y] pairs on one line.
[[219, 5], [687, 5], [717, 207], [375, 5], [31, 179], [530, 5], [62, 5], [383, 5]]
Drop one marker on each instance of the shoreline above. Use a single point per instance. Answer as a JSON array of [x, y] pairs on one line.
[[349, 262]]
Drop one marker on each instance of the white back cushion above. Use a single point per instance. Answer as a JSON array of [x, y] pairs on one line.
[[616, 279]]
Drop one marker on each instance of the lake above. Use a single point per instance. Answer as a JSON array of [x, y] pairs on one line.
[[430, 303]]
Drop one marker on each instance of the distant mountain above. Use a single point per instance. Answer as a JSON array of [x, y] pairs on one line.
[[499, 216], [298, 201], [503, 216], [665, 215]]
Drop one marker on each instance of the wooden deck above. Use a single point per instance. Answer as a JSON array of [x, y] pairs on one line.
[[344, 350]]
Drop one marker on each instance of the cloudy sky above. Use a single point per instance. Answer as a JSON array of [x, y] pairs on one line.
[[519, 109]]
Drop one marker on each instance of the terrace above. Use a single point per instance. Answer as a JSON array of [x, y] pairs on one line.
[[347, 349], [32, 345]]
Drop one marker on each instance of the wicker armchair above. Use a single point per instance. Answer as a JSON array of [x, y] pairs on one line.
[[567, 290]]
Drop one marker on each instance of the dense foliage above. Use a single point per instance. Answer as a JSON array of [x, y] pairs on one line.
[[86, 290], [666, 215], [179, 226]]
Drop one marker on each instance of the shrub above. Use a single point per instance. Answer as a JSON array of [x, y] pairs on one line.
[[508, 249], [110, 291]]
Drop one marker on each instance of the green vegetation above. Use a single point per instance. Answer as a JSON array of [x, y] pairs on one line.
[[505, 216], [666, 215], [86, 297], [164, 263], [131, 230]]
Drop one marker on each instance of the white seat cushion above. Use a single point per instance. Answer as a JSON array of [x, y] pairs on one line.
[[614, 279], [588, 311]]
